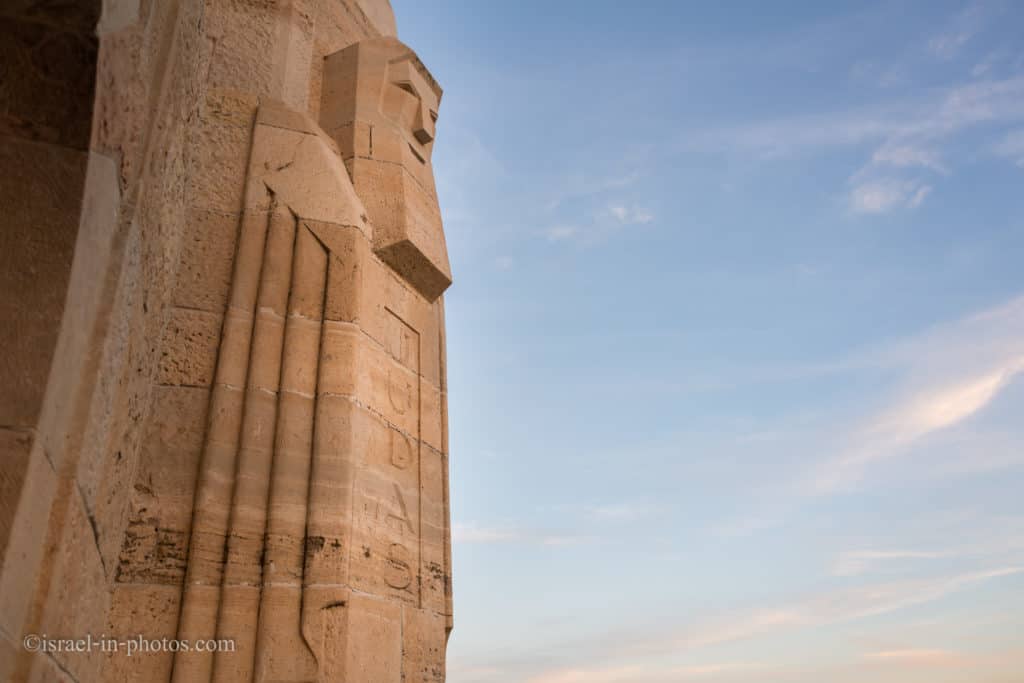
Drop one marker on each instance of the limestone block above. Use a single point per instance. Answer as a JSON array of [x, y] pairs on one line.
[[142, 512], [262, 48], [282, 654], [276, 271], [235, 344], [44, 669], [363, 290], [380, 14], [78, 598], [378, 97], [423, 646], [431, 419], [407, 224], [151, 553], [222, 150], [31, 520], [306, 298], [435, 571], [249, 260], [350, 257], [368, 644], [301, 356], [189, 348], [236, 620], [303, 168], [265, 362], [339, 359], [147, 610], [169, 454], [204, 270], [354, 365], [243, 35]]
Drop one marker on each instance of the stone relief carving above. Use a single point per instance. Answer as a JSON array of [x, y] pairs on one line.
[[320, 539]]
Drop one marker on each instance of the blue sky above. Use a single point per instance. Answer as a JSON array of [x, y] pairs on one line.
[[736, 339]]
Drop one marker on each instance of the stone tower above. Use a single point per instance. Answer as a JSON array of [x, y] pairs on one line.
[[224, 266]]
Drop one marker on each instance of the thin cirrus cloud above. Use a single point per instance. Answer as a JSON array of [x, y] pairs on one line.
[[943, 377], [604, 223], [907, 156], [637, 655], [960, 30], [880, 196], [953, 372], [640, 673], [837, 606], [630, 215], [908, 133], [891, 432], [469, 533], [856, 562], [917, 657]]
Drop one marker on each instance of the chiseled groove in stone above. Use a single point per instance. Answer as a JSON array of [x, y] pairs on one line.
[[280, 645], [252, 486], [211, 511]]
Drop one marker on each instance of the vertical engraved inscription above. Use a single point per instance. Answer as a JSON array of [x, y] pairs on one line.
[[387, 527]]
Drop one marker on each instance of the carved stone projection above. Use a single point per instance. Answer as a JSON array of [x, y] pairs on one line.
[[320, 536]]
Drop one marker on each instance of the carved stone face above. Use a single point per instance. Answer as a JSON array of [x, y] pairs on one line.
[[410, 103], [380, 105]]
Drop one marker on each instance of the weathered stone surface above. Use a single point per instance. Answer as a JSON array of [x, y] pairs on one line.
[[235, 426], [377, 96], [141, 609], [207, 254], [189, 346], [76, 608]]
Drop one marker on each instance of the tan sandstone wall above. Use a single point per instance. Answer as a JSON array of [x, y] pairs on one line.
[[122, 258]]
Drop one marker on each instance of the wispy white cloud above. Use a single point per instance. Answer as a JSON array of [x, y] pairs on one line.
[[630, 215], [583, 186], [881, 196], [953, 372], [601, 223], [904, 155], [619, 512], [907, 133], [917, 657], [642, 673], [855, 562], [463, 533], [834, 607], [558, 233], [960, 30], [913, 417]]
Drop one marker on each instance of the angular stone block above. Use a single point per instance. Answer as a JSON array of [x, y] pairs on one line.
[[207, 254], [189, 348]]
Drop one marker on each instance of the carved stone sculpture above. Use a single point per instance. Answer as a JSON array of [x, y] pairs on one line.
[[320, 536]]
